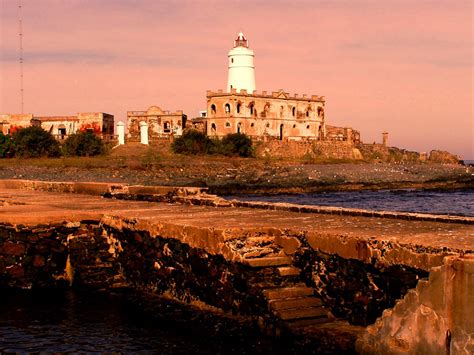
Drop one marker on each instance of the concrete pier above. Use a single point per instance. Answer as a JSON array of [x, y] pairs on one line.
[[317, 274]]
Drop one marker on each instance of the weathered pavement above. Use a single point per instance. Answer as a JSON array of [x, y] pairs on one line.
[[265, 240], [331, 233]]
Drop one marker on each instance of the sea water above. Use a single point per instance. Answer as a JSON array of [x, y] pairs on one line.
[[454, 202]]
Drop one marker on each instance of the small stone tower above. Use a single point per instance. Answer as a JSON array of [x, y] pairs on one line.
[[241, 67], [385, 139]]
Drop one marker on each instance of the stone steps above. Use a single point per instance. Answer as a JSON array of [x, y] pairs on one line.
[[268, 261], [288, 297], [288, 271], [277, 285], [308, 323], [303, 313], [289, 303], [287, 292]]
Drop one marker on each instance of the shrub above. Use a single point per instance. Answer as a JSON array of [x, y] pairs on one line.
[[193, 142], [32, 142], [237, 144], [6, 146], [83, 144]]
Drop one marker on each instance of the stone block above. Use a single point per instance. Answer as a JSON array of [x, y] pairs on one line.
[[38, 261], [300, 313], [13, 249], [288, 292], [289, 244], [303, 302], [16, 272], [271, 261]]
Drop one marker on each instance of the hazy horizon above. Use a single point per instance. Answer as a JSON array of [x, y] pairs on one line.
[[398, 66]]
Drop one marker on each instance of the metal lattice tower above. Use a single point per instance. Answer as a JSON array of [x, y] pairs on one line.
[[20, 35]]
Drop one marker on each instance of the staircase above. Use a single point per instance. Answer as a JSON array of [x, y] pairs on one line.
[[289, 299]]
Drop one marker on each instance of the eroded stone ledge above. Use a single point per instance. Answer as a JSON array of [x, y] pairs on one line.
[[223, 257]]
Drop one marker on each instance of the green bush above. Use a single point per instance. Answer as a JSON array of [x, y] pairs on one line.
[[83, 144], [33, 142], [237, 144], [193, 142], [6, 146]]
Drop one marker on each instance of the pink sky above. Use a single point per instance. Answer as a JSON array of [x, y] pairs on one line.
[[400, 66]]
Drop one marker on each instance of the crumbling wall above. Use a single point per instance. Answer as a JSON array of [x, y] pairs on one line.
[[435, 318], [443, 157], [96, 256], [382, 153], [308, 149], [352, 289], [10, 123], [34, 256]]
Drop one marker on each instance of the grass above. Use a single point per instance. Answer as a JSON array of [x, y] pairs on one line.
[[140, 157]]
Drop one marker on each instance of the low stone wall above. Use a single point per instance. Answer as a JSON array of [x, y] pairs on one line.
[[308, 150], [100, 188], [199, 265]]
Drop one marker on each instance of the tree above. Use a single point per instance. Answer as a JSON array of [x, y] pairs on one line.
[[6, 146], [33, 142], [237, 144], [193, 142], [83, 144]]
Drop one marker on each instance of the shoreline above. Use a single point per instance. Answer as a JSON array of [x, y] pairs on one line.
[[236, 176]]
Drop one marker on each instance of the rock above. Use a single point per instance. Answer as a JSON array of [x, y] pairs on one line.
[[14, 249], [38, 261], [16, 271], [289, 244], [443, 157]]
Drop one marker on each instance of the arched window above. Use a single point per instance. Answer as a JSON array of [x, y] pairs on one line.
[[227, 108], [320, 112], [307, 113], [213, 109], [166, 127], [252, 124], [251, 107], [238, 107], [213, 128], [293, 111], [227, 124], [239, 127], [294, 126]]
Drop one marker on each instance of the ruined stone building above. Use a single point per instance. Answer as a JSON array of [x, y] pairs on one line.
[[276, 114], [159, 123], [99, 123], [264, 115], [342, 134]]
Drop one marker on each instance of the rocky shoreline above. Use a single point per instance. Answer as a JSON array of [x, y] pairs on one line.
[[251, 176]]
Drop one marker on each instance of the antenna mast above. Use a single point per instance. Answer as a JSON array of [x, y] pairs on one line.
[[20, 32]]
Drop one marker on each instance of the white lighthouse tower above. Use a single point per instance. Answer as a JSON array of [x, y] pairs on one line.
[[241, 67]]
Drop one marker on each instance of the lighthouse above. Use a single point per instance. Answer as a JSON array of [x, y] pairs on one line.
[[241, 67]]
